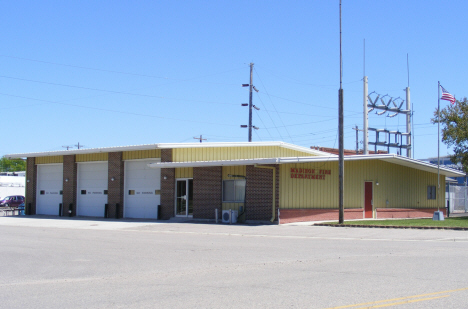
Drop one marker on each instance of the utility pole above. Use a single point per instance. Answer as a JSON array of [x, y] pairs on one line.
[[250, 102], [357, 139], [250, 126], [68, 147], [79, 146], [200, 138], [341, 142]]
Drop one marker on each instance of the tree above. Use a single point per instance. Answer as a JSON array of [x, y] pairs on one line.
[[7, 165], [454, 121]]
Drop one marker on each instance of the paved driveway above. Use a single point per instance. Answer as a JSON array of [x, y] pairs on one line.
[[75, 263]]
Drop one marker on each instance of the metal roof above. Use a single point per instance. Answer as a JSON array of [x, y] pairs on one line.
[[164, 146], [391, 158]]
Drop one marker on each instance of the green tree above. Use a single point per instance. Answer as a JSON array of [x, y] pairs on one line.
[[7, 165], [454, 122]]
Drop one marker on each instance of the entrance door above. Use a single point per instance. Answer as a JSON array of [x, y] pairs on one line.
[[368, 202], [184, 197]]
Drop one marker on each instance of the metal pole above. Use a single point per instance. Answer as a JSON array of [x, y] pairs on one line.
[[438, 144], [408, 123], [250, 103], [366, 118], [340, 129]]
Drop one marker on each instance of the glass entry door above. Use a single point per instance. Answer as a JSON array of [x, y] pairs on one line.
[[184, 197]]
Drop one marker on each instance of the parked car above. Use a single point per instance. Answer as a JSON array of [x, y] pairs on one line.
[[12, 201]]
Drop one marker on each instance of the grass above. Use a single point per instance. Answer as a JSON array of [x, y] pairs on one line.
[[456, 222]]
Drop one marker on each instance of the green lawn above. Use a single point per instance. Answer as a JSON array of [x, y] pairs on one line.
[[458, 222]]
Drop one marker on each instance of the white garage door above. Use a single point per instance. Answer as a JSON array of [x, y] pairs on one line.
[[49, 189], [91, 189], [142, 189]]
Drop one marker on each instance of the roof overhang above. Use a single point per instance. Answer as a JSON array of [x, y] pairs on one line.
[[165, 146], [391, 158]]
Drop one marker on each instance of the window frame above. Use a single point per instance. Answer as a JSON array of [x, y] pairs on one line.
[[234, 193]]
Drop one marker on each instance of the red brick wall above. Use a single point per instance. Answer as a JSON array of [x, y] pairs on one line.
[[259, 195], [385, 213], [69, 187], [207, 191], [31, 175], [166, 209], [304, 215], [115, 188]]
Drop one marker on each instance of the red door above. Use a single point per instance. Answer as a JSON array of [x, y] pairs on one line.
[[368, 199]]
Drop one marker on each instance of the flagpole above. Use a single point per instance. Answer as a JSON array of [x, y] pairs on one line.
[[438, 145]]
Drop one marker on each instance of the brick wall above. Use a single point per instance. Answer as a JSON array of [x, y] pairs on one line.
[[207, 191], [304, 215], [31, 175], [115, 192], [384, 213], [166, 209], [259, 195], [69, 187]]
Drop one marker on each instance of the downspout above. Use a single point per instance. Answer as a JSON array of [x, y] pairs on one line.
[[273, 168]]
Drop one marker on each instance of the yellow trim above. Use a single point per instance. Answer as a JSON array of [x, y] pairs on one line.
[[233, 153], [88, 157], [141, 154], [48, 160], [233, 170], [184, 172]]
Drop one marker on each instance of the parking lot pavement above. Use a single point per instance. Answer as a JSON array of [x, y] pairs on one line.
[[51, 262]]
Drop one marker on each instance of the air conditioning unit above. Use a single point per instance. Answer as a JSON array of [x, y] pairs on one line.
[[229, 216]]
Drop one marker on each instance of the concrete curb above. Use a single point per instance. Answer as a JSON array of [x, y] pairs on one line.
[[395, 227]]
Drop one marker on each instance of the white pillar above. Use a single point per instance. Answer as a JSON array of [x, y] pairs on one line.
[[365, 131]]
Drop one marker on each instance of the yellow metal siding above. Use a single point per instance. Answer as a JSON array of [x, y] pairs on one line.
[[48, 160], [233, 153], [184, 172], [88, 157], [401, 186], [141, 154], [233, 170]]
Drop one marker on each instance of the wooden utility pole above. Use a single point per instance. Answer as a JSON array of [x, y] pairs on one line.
[[250, 103]]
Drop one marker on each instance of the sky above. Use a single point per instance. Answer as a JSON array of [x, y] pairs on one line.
[[118, 73]]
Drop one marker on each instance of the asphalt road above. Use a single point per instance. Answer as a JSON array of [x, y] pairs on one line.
[[73, 263]]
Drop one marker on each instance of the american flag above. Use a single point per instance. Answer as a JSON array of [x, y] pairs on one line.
[[447, 96]]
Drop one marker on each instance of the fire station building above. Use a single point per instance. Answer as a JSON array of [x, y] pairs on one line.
[[257, 181]]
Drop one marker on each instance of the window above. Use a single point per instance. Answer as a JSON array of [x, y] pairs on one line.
[[431, 192], [234, 190]]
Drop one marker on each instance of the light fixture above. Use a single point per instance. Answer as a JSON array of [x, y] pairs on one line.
[[112, 179], [165, 177], [27, 180], [377, 183], [257, 108], [66, 179]]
